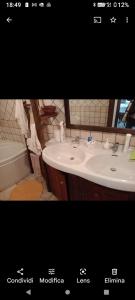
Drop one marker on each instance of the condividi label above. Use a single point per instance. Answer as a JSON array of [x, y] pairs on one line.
[[19, 280]]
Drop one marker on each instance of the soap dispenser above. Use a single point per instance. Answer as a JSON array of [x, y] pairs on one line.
[[61, 131], [90, 140], [106, 144]]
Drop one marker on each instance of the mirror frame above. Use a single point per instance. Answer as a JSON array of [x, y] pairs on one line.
[[96, 128]]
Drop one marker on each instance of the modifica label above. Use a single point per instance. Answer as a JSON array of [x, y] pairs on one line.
[[53, 280]]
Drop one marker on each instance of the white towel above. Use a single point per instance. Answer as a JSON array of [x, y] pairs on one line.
[[33, 142], [20, 115], [35, 164]]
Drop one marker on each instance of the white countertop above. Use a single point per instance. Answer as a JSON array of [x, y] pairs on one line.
[[92, 162]]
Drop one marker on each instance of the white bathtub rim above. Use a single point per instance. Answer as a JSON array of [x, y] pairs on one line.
[[12, 159], [15, 156]]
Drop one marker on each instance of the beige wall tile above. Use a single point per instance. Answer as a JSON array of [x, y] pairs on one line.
[[75, 132], [97, 109], [132, 142], [50, 128], [97, 120], [50, 135], [92, 114], [110, 136], [120, 138], [97, 135], [102, 120], [97, 114], [23, 140], [67, 132], [85, 134]]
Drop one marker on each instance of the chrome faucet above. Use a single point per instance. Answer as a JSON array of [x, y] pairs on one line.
[[115, 147], [76, 140]]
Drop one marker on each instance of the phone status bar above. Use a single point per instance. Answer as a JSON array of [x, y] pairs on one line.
[[67, 4], [111, 4]]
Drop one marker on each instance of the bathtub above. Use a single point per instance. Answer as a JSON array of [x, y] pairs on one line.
[[14, 164]]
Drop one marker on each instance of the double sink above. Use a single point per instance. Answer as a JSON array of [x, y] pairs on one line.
[[93, 163]]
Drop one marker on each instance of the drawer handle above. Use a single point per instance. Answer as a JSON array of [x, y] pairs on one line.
[[61, 182]]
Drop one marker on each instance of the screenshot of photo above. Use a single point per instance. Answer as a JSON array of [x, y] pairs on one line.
[[67, 149]]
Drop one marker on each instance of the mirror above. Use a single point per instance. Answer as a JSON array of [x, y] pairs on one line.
[[101, 114]]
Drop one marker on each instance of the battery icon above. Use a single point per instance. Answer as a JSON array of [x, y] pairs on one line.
[[101, 4], [26, 4]]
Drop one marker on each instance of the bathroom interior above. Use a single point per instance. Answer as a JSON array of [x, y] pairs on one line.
[[67, 149]]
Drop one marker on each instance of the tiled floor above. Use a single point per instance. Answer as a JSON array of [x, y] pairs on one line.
[[5, 195]]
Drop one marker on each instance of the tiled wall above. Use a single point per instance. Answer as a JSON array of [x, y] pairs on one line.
[[9, 128], [97, 135], [89, 112]]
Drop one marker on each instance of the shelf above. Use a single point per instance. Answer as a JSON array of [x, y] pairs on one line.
[[42, 116]]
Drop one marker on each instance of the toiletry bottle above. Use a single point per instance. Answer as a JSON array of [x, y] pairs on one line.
[[106, 144], [90, 140], [127, 142], [61, 131]]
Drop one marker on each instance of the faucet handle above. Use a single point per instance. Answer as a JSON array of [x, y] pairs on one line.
[[115, 144], [115, 147]]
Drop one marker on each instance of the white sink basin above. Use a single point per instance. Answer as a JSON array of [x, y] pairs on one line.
[[92, 163], [115, 166], [66, 153]]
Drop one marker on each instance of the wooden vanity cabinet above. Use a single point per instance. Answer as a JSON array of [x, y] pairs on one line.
[[56, 182], [71, 187], [82, 189]]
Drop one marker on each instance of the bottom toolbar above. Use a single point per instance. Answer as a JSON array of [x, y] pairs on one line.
[[83, 282]]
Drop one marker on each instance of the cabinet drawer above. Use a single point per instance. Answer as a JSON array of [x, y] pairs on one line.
[[71, 187], [57, 183], [84, 190]]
